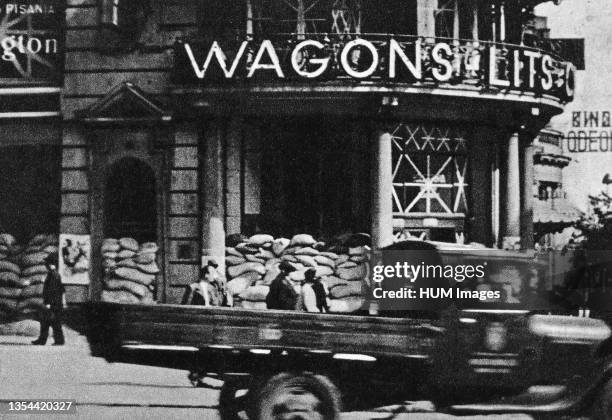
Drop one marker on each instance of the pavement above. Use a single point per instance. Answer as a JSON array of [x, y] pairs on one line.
[[119, 391]]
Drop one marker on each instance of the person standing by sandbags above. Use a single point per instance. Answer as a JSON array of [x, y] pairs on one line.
[[208, 290], [53, 299], [282, 295], [314, 293]]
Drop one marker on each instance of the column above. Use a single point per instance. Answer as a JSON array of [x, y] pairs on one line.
[[233, 173], [382, 191], [213, 206], [512, 204], [527, 150], [426, 24]]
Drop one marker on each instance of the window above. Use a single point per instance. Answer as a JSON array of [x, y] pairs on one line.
[[456, 19], [429, 170]]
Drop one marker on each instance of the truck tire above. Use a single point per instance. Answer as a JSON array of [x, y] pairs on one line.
[[304, 396], [602, 407]]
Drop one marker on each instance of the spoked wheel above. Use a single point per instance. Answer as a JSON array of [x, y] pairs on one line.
[[297, 397], [234, 400]]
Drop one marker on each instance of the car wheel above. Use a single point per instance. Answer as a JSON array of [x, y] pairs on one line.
[[297, 397], [602, 407]]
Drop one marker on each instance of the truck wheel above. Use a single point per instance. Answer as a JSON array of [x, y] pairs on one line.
[[602, 407], [233, 401], [297, 397]]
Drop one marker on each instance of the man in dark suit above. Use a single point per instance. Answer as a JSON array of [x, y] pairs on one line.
[[53, 299]]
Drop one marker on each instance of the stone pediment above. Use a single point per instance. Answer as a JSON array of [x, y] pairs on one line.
[[124, 104]]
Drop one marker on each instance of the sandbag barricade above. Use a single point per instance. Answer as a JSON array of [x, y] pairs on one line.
[[343, 266], [23, 272], [130, 270]]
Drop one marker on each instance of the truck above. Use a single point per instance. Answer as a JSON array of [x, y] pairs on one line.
[[278, 364]]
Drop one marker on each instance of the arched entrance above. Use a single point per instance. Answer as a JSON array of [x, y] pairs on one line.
[[130, 204]]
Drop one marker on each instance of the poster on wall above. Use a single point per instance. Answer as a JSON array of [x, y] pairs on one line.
[[75, 257]]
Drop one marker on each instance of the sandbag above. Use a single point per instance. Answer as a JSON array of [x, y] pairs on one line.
[[264, 254], [253, 305], [127, 263], [7, 239], [306, 260], [33, 303], [35, 269], [38, 240], [132, 287], [148, 247], [239, 284], [232, 251], [353, 288], [353, 273], [234, 239], [246, 248], [359, 258], [151, 268], [255, 293], [32, 290], [9, 266], [323, 260], [347, 264], [234, 260], [332, 281], [129, 243], [8, 304], [260, 239], [346, 305], [272, 262], [134, 275], [33, 279], [253, 258], [331, 255], [119, 296], [279, 245], [8, 277], [308, 251], [341, 259], [36, 258], [4, 249], [145, 257], [110, 245], [302, 239], [237, 270], [110, 255], [50, 249], [10, 292], [125, 253], [289, 258], [324, 270]]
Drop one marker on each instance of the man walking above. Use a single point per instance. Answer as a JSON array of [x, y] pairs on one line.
[[53, 299]]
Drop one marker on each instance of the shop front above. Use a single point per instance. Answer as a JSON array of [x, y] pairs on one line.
[[315, 125]]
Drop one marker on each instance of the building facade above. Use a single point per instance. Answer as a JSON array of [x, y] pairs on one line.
[[186, 124]]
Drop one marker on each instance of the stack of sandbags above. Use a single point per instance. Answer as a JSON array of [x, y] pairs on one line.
[[131, 269], [252, 265], [34, 271], [10, 281]]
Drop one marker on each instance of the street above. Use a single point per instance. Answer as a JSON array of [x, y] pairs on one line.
[[119, 391]]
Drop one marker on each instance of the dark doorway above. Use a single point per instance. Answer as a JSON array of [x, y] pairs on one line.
[[130, 208]]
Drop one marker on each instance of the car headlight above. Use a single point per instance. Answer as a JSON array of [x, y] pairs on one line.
[[496, 336]]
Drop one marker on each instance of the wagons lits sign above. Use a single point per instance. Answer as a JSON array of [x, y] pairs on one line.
[[388, 59], [32, 42]]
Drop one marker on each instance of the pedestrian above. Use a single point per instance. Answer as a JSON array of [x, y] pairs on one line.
[[53, 299], [282, 294], [314, 293], [208, 290]]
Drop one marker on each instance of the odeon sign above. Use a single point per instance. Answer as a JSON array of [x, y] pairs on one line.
[[515, 68]]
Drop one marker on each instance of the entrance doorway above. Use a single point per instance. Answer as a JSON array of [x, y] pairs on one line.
[[130, 208]]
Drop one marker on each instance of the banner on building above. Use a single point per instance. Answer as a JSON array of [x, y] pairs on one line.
[[32, 42], [75, 258]]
